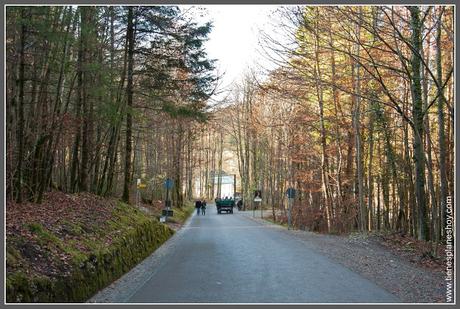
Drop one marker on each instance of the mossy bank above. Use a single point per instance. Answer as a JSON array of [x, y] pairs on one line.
[[69, 256]]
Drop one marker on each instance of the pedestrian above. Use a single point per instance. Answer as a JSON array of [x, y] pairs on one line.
[[239, 204], [203, 207], [198, 207]]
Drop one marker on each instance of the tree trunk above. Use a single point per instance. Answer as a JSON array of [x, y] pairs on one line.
[[129, 103], [417, 112], [441, 134], [370, 178], [357, 129], [324, 155], [20, 109], [85, 41]]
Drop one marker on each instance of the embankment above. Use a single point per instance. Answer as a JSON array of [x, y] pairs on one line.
[[71, 246]]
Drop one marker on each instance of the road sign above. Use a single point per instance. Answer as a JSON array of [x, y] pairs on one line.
[[141, 185], [257, 199], [168, 183], [138, 194], [290, 193], [290, 201], [167, 212], [162, 219]]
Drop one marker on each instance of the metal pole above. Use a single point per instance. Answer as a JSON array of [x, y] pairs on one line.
[[253, 209], [234, 186], [261, 211], [137, 191], [166, 203], [289, 212]]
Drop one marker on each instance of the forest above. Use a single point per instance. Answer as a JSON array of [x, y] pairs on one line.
[[358, 114], [358, 117], [99, 96]]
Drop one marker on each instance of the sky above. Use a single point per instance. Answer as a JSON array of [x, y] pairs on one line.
[[234, 39]]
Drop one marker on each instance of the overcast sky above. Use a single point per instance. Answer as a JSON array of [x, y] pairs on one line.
[[234, 38]]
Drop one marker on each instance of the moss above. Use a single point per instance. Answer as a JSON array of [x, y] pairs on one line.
[[181, 214], [69, 248], [44, 235], [13, 256], [134, 237], [35, 227], [47, 237], [17, 288], [73, 229]]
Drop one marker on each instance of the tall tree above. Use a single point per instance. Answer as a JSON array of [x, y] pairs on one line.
[[129, 105], [417, 112], [441, 126]]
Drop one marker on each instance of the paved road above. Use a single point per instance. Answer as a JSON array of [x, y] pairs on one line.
[[233, 259]]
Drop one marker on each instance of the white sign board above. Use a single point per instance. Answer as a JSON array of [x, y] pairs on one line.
[[225, 179], [257, 199], [162, 219]]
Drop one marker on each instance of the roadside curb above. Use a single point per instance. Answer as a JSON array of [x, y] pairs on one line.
[[129, 283]]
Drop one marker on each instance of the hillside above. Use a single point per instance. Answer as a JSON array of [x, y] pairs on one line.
[[71, 245]]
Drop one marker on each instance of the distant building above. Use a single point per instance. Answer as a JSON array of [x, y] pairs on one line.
[[227, 184]]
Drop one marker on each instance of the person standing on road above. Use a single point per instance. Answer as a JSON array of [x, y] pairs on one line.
[[198, 207], [239, 204], [203, 207]]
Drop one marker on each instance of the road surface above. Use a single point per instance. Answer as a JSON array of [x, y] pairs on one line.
[[234, 259]]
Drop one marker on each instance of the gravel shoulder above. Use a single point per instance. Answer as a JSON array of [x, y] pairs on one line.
[[365, 256]]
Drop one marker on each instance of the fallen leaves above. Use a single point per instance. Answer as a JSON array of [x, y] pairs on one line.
[[65, 219], [416, 251]]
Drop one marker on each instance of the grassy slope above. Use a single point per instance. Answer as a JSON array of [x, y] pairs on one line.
[[180, 215], [69, 247]]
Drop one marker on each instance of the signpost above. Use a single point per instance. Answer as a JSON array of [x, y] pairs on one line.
[[257, 199], [290, 192], [137, 192], [139, 185], [167, 212]]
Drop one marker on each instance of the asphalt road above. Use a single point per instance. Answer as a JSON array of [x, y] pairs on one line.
[[233, 259]]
